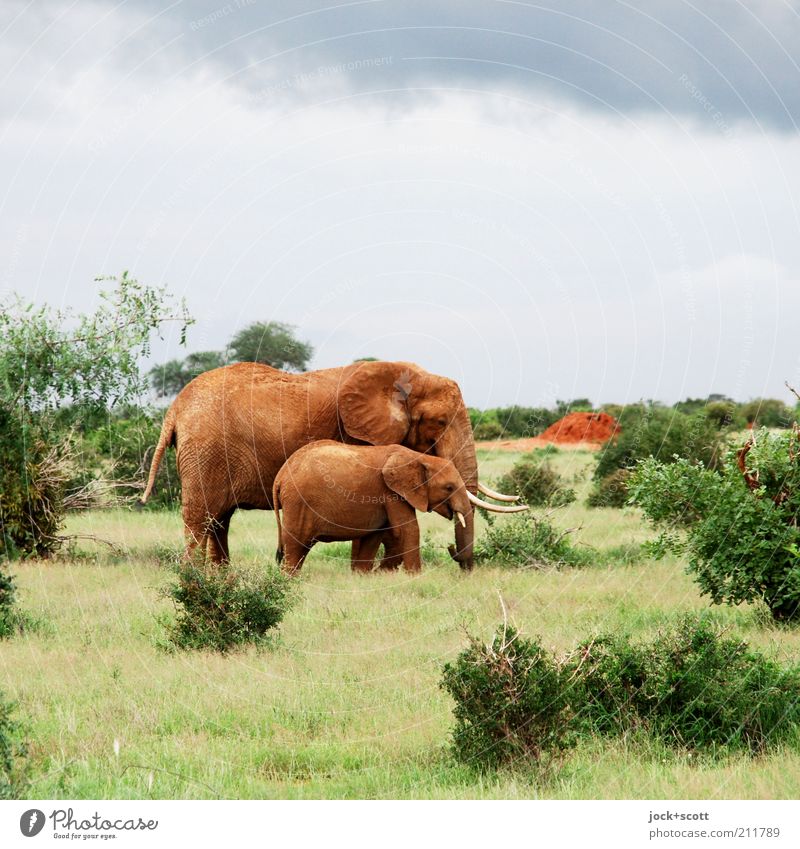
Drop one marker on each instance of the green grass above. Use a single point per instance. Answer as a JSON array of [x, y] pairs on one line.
[[346, 704]]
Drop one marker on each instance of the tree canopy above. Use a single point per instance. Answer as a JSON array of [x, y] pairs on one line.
[[272, 343]]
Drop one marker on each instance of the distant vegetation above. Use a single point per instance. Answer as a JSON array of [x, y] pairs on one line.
[[272, 343], [518, 422]]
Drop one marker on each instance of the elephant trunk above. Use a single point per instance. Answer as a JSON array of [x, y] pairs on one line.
[[458, 445]]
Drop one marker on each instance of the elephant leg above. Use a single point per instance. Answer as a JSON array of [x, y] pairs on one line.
[[392, 553], [363, 551], [294, 555], [195, 531], [405, 528], [218, 538]]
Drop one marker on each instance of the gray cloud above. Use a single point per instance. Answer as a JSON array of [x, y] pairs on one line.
[[720, 61]]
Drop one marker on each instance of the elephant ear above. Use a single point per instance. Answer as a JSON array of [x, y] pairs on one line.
[[372, 403], [405, 475]]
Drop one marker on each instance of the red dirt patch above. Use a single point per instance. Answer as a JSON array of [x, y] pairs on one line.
[[581, 427]]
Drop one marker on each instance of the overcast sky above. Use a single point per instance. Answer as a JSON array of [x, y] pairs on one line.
[[542, 200]]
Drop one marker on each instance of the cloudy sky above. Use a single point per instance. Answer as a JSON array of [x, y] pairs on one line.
[[542, 200]]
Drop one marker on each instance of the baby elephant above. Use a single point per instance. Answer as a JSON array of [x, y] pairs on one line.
[[331, 491]]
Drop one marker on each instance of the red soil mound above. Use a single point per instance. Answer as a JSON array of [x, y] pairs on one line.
[[581, 427]]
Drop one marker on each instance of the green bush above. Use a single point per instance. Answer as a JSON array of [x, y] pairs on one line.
[[488, 429], [742, 543], [725, 414], [52, 360], [525, 541], [768, 412], [513, 422], [9, 616], [128, 443], [610, 491], [538, 483], [690, 686], [13, 755], [34, 474], [510, 703], [525, 421], [661, 433], [219, 607]]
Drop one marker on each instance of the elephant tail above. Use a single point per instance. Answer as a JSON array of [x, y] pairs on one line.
[[166, 438], [276, 506]]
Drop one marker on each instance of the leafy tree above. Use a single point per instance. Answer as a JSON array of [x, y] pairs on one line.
[[724, 414], [768, 412], [577, 405], [51, 359], [739, 527], [272, 343], [365, 360], [168, 379]]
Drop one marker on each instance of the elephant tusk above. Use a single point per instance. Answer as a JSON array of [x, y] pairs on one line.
[[498, 496], [495, 508], [461, 519]]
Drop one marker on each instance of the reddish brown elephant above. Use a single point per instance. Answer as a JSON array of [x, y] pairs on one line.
[[234, 427], [328, 491]]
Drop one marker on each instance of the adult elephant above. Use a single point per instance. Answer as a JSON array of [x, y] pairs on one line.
[[234, 427]]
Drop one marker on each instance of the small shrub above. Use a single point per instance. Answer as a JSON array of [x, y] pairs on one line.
[[610, 491], [509, 702], [538, 483], [9, 615], [34, 471], [13, 755], [219, 607], [690, 686], [742, 539], [526, 541], [487, 430]]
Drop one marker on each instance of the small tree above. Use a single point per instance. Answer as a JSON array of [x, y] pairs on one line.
[[767, 412], [168, 379], [272, 343], [738, 527], [53, 358]]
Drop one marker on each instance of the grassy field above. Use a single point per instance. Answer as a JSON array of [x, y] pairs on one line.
[[346, 704]]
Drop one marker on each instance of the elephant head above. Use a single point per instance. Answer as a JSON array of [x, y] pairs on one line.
[[385, 403], [427, 483]]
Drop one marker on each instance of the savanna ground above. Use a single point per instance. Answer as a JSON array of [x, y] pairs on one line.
[[345, 703]]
